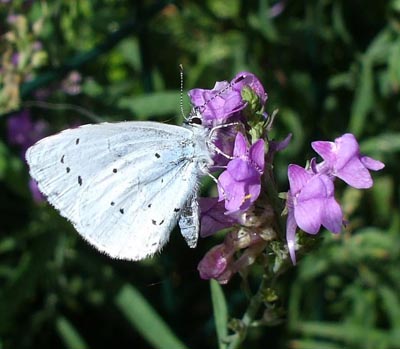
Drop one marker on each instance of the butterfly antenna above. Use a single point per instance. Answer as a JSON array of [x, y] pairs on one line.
[[222, 91], [181, 94]]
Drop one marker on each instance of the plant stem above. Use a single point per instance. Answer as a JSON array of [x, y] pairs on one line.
[[248, 317]]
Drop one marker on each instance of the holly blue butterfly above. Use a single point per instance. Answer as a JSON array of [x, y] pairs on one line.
[[124, 186]]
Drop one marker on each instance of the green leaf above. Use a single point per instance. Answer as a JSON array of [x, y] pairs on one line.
[[152, 105], [145, 319], [69, 334], [363, 100], [391, 305], [385, 143], [220, 313]]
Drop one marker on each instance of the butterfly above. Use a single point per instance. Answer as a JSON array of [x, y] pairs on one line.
[[124, 186]]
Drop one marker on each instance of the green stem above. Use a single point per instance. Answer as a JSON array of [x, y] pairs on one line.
[[248, 317]]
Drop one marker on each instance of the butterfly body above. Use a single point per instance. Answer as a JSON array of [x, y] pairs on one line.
[[125, 185]]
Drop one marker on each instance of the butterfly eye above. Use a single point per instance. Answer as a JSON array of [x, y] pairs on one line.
[[195, 120]]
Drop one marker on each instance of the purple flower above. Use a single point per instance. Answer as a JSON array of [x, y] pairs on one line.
[[220, 263], [243, 79], [37, 196], [225, 99], [217, 104], [23, 132], [213, 217], [72, 83], [15, 59], [311, 203], [276, 9], [342, 159], [240, 184], [215, 264]]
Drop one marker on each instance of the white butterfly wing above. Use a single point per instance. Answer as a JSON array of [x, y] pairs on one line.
[[121, 185]]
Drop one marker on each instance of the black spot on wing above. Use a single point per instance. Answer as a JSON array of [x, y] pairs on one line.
[[121, 210], [154, 222], [112, 203], [177, 209], [80, 180], [77, 141], [149, 205], [115, 170], [157, 155], [68, 169], [62, 159]]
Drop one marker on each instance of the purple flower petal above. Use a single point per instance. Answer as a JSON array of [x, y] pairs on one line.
[[275, 146], [372, 164], [298, 177], [240, 185], [225, 99], [240, 148], [355, 174], [243, 79], [257, 155], [213, 217], [217, 104], [215, 262]]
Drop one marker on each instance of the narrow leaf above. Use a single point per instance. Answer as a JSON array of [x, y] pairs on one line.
[[69, 335], [220, 313], [145, 319], [363, 100]]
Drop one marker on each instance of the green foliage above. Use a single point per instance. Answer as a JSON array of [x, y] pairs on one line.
[[329, 66], [142, 317], [220, 313]]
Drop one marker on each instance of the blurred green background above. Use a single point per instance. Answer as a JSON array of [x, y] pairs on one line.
[[329, 66]]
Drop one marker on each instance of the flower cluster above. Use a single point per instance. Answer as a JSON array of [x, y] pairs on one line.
[[311, 202], [234, 111], [242, 156]]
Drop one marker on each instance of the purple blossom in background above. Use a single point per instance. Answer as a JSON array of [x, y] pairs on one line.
[[37, 196], [310, 203], [23, 132], [72, 83], [15, 59], [276, 9], [240, 184], [342, 159], [310, 200]]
